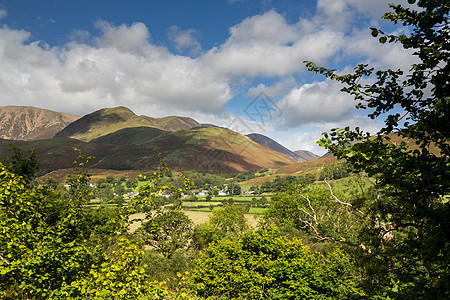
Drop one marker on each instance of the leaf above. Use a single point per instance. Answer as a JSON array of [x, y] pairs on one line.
[[383, 39], [374, 32]]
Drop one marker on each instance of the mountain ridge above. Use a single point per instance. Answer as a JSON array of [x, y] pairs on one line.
[[122, 140], [301, 156], [32, 123], [108, 120]]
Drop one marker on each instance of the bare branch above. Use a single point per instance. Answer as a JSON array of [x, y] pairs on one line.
[[4, 260], [334, 197]]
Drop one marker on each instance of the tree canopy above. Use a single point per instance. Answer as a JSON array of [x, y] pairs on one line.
[[408, 233]]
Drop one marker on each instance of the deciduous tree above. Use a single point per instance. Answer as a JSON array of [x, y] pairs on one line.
[[408, 234]]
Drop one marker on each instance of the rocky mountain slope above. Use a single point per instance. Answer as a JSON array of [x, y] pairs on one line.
[[32, 123]]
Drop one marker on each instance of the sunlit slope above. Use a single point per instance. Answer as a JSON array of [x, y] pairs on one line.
[[216, 149], [108, 120]]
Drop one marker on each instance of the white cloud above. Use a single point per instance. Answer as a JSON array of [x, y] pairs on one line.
[[361, 44], [185, 40], [305, 138], [124, 68], [344, 9], [266, 45], [316, 102], [132, 39], [279, 88]]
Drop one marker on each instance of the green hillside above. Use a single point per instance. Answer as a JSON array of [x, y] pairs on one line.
[[108, 120]]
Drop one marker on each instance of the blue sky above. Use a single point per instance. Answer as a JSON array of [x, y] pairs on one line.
[[221, 62]]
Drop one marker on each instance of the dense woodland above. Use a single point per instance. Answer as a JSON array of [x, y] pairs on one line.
[[376, 227]]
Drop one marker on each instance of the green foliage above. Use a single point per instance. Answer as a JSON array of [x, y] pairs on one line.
[[226, 222], [161, 268], [168, 231], [265, 265], [206, 180], [52, 246], [21, 165], [47, 242], [132, 183], [245, 175], [264, 170], [278, 183], [233, 189], [407, 230], [334, 171], [326, 212]]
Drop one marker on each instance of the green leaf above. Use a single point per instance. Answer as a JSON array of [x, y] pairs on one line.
[[374, 32]]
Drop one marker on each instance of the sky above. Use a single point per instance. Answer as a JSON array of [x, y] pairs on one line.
[[232, 63]]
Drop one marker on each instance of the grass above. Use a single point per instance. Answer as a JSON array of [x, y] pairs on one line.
[[257, 210], [199, 203], [235, 198]]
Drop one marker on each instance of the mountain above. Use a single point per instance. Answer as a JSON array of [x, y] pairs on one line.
[[217, 149], [306, 155], [268, 142], [108, 120], [32, 123], [121, 140], [212, 149]]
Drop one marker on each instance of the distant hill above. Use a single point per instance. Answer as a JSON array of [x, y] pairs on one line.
[[212, 149], [306, 155], [121, 140], [268, 142], [32, 123], [108, 120], [219, 149]]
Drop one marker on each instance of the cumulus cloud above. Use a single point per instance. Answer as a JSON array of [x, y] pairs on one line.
[[279, 88], [306, 139], [185, 40], [266, 45], [340, 11], [122, 68], [3, 13], [316, 102], [132, 39]]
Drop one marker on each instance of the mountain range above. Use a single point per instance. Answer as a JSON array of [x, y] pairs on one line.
[[122, 140]]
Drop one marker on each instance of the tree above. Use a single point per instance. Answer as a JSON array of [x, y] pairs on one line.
[[226, 222], [325, 212], [52, 246], [111, 179], [408, 234], [132, 183], [168, 232], [47, 241], [265, 265], [233, 189]]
